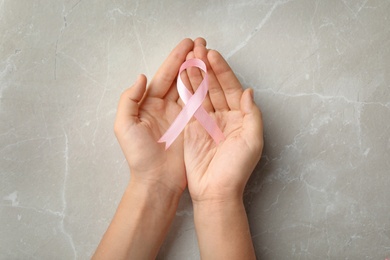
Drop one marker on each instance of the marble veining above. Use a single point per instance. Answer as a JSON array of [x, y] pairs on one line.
[[320, 71]]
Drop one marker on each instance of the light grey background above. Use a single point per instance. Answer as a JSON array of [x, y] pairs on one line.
[[321, 73]]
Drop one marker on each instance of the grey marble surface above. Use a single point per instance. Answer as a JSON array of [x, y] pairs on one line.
[[321, 74]]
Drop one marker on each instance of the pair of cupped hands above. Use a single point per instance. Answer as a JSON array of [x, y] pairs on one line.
[[211, 171]]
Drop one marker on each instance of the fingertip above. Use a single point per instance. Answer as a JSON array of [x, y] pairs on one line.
[[188, 43], [200, 50], [127, 110], [213, 55], [252, 120], [250, 90], [200, 40], [182, 49], [137, 91], [186, 47], [249, 105], [253, 101], [141, 79], [215, 60], [247, 101]]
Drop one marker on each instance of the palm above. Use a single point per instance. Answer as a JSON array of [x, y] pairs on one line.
[[216, 170], [144, 115], [212, 167], [154, 117]]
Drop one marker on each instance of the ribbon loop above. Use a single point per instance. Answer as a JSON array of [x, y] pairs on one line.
[[193, 107]]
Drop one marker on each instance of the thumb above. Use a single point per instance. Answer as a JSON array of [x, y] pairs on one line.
[[252, 122], [128, 106]]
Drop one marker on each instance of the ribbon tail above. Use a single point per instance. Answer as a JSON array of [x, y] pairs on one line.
[[173, 131], [181, 120], [209, 125], [165, 140]]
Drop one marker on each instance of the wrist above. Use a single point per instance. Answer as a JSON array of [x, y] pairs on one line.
[[217, 220], [141, 222], [217, 204], [154, 196], [220, 196], [158, 180]]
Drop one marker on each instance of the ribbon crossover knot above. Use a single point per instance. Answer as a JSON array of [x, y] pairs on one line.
[[193, 107]]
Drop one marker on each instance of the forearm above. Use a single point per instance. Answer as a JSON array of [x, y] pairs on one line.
[[223, 231], [140, 224]]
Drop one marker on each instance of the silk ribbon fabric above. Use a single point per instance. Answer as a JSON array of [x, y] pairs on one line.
[[193, 107]]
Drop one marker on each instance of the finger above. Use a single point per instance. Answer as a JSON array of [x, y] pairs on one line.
[[195, 77], [252, 122], [217, 96], [186, 82], [200, 40], [172, 94], [128, 106], [184, 74], [199, 52], [227, 79], [166, 74]]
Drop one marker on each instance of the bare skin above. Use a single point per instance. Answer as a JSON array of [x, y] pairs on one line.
[[158, 178], [216, 174]]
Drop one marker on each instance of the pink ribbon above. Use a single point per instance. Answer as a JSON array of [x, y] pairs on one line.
[[193, 107]]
